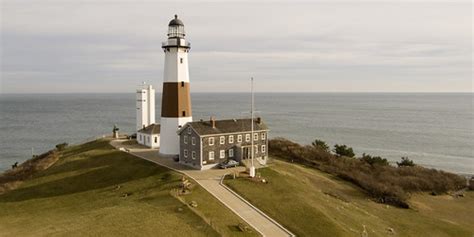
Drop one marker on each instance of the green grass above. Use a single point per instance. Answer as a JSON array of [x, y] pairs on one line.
[[311, 203], [78, 196]]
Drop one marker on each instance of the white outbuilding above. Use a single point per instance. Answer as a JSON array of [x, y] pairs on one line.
[[149, 136]]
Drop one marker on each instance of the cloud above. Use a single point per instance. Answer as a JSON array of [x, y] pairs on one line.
[[111, 46]]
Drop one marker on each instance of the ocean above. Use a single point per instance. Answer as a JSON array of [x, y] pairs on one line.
[[433, 129]]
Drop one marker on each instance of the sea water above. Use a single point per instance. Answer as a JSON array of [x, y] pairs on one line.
[[433, 129]]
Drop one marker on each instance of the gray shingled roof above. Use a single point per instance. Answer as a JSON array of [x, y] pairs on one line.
[[225, 126], [151, 129]]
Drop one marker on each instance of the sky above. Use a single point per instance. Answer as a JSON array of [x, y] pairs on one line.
[[93, 46]]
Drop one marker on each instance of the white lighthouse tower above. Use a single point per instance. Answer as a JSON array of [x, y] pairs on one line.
[[176, 99], [145, 106]]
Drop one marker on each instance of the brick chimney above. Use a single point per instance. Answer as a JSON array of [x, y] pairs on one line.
[[259, 120], [212, 121]]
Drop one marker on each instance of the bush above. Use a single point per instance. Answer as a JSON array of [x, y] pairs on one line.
[[375, 160], [321, 145], [343, 150], [61, 146], [405, 162], [385, 183]]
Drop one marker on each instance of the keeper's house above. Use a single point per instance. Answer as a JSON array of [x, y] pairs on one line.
[[149, 136], [205, 144]]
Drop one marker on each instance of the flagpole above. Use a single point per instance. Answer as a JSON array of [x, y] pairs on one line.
[[252, 168]]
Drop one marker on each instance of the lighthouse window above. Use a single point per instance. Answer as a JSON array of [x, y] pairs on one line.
[[181, 60], [182, 84], [184, 113]]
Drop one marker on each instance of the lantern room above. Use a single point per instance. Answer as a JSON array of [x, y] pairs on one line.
[[176, 28]]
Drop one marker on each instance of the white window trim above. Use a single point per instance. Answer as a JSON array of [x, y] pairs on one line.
[[189, 130], [193, 155], [239, 138], [211, 141], [222, 154], [264, 148], [231, 153], [222, 140], [185, 139], [247, 137], [193, 140], [255, 136], [211, 155], [263, 136], [255, 149], [231, 139], [185, 153]]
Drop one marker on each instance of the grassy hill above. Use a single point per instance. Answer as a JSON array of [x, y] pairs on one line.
[[95, 190], [312, 203]]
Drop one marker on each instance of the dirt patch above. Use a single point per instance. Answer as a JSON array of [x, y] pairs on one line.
[[11, 179]]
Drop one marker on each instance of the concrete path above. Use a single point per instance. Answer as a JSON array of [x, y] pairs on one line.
[[211, 181]]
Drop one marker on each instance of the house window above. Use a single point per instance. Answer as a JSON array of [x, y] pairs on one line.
[[255, 136], [239, 138], [263, 136], [231, 139], [185, 139], [264, 149], [185, 153], [193, 140], [231, 152], [189, 130], [184, 113], [211, 155], [222, 140], [247, 137], [156, 139], [211, 141], [255, 149], [193, 155], [180, 60], [222, 154]]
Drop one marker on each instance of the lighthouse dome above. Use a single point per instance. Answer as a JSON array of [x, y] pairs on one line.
[[176, 22]]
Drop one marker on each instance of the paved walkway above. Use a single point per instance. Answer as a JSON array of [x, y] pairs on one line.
[[211, 181]]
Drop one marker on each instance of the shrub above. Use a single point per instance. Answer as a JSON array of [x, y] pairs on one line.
[[405, 162], [61, 146], [374, 160], [321, 145], [343, 150]]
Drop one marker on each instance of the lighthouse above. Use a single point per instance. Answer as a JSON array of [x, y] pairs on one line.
[[176, 99]]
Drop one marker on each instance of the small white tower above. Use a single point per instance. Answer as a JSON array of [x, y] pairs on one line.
[[145, 106], [176, 99]]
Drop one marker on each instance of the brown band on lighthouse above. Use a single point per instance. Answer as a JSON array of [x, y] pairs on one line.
[[176, 100]]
